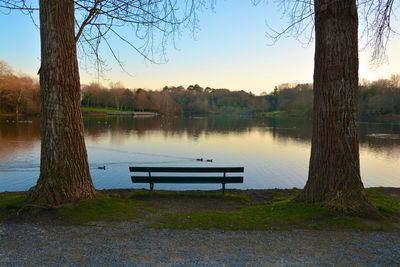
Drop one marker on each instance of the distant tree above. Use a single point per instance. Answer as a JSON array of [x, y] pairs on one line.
[[380, 98], [296, 101], [118, 95], [141, 99], [273, 99], [18, 93], [5, 69]]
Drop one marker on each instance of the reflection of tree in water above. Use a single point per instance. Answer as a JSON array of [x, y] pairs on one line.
[[291, 130], [170, 126], [370, 138], [387, 146], [16, 135]]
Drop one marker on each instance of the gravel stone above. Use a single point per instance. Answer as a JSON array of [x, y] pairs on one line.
[[127, 244]]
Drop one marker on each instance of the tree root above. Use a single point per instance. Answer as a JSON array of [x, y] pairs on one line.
[[352, 202], [50, 196]]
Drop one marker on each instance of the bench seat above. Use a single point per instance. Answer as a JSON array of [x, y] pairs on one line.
[[186, 178]]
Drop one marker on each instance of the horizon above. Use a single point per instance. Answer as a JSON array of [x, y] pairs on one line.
[[119, 85]]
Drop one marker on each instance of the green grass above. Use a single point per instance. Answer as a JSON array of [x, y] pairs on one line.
[[386, 205], [102, 110], [284, 213], [279, 213], [102, 208], [9, 202], [143, 195]]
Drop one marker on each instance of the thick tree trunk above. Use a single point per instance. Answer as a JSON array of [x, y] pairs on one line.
[[64, 171], [334, 172]]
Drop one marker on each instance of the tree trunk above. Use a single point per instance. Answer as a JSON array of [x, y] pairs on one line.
[[17, 112], [334, 173], [64, 170]]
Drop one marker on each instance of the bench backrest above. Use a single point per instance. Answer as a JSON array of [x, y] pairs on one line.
[[188, 169]]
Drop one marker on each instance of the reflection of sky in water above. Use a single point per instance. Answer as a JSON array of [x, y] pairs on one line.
[[274, 154]]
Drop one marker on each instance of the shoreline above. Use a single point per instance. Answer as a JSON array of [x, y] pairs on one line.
[[249, 191], [268, 115]]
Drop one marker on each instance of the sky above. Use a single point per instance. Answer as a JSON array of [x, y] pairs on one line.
[[231, 50]]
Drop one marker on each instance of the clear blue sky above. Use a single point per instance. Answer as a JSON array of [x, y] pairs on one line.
[[230, 51]]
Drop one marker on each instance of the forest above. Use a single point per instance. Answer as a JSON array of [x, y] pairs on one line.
[[19, 94]]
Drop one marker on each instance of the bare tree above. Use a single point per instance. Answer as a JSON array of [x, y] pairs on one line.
[[5, 69], [334, 173], [64, 171]]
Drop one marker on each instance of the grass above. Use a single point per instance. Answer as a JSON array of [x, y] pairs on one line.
[[212, 210], [387, 204], [143, 195], [102, 208], [9, 202], [282, 213]]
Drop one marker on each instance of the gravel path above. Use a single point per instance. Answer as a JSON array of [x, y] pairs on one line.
[[130, 244]]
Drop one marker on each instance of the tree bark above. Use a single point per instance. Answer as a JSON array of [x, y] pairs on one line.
[[64, 170], [334, 173]]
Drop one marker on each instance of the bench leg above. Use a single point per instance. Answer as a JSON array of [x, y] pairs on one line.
[[223, 188], [151, 186]]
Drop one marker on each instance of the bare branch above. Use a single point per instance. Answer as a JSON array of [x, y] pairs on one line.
[[146, 26], [376, 16]]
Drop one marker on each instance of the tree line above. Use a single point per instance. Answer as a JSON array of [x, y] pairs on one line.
[[174, 100], [19, 94], [380, 98]]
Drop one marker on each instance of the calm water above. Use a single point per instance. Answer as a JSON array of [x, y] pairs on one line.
[[275, 153]]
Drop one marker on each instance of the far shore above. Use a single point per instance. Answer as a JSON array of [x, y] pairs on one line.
[[121, 113], [103, 112], [96, 112]]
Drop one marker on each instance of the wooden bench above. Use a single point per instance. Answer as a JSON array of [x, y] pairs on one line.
[[221, 179]]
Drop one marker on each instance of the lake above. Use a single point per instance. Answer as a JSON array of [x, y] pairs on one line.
[[274, 152]]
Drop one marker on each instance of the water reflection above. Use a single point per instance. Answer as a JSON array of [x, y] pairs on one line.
[[274, 152]]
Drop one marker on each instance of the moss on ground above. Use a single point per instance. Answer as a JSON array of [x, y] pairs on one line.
[[102, 208], [143, 195], [283, 213], [167, 209], [387, 204], [277, 214], [9, 202]]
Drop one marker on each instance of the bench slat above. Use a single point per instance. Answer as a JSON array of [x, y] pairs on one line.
[[187, 179], [186, 169]]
